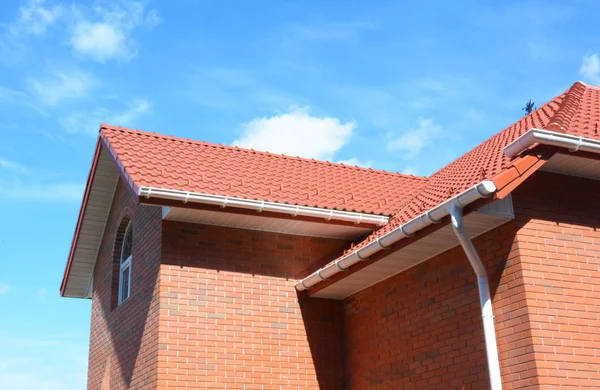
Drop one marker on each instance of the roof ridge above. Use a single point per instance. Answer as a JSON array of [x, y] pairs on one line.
[[568, 108], [535, 112], [245, 150], [592, 86]]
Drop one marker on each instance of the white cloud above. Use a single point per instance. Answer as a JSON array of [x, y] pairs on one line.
[[412, 141], [11, 94], [101, 41], [83, 122], [110, 35], [4, 288], [12, 165], [590, 68], [86, 122], [61, 86], [128, 117], [410, 171], [35, 17], [101, 32], [296, 133], [153, 18], [474, 115], [355, 161], [54, 192]]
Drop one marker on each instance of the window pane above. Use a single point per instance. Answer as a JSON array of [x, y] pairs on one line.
[[127, 243], [125, 284]]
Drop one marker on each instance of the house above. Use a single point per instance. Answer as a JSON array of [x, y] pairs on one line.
[[212, 266]]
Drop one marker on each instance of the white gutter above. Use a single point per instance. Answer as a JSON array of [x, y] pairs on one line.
[[485, 299], [454, 208], [261, 205], [478, 191], [547, 137]]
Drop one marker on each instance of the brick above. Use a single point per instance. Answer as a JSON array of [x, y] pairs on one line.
[[215, 307]]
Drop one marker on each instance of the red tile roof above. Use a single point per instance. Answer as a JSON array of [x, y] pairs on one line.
[[154, 160], [576, 112]]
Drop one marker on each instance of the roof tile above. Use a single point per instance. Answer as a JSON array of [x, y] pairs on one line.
[[181, 164], [576, 112]]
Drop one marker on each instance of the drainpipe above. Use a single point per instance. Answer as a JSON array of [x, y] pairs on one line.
[[456, 214]]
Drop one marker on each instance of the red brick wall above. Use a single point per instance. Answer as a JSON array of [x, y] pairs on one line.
[[220, 311], [559, 243], [230, 317], [422, 328], [124, 339]]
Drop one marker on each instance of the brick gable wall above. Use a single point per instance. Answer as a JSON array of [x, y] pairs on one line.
[[422, 328], [559, 244], [230, 317], [124, 339]]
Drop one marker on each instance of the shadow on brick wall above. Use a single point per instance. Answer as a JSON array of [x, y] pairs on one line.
[[123, 340], [239, 285]]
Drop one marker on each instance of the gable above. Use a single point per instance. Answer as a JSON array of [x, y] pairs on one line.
[[95, 209]]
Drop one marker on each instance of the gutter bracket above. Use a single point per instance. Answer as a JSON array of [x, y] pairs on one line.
[[404, 232], [337, 263], [431, 219], [360, 257], [319, 273], [576, 148], [380, 244]]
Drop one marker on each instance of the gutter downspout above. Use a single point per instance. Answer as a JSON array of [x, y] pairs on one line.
[[485, 300]]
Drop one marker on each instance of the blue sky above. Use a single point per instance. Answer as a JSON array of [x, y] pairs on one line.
[[402, 87]]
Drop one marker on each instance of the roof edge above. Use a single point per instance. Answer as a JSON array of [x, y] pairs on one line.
[[548, 137], [480, 190], [129, 185], [86, 195], [262, 205]]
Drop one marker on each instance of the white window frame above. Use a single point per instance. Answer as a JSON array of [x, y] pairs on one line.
[[125, 265]]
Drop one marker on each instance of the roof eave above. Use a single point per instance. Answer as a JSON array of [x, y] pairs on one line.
[[547, 137], [502, 185], [263, 205], [86, 195], [480, 190]]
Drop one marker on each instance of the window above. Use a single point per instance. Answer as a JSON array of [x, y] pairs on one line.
[[125, 265]]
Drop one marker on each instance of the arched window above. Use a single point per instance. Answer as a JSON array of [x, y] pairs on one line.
[[125, 264]]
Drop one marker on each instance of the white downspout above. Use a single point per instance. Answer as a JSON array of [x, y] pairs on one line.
[[485, 299]]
